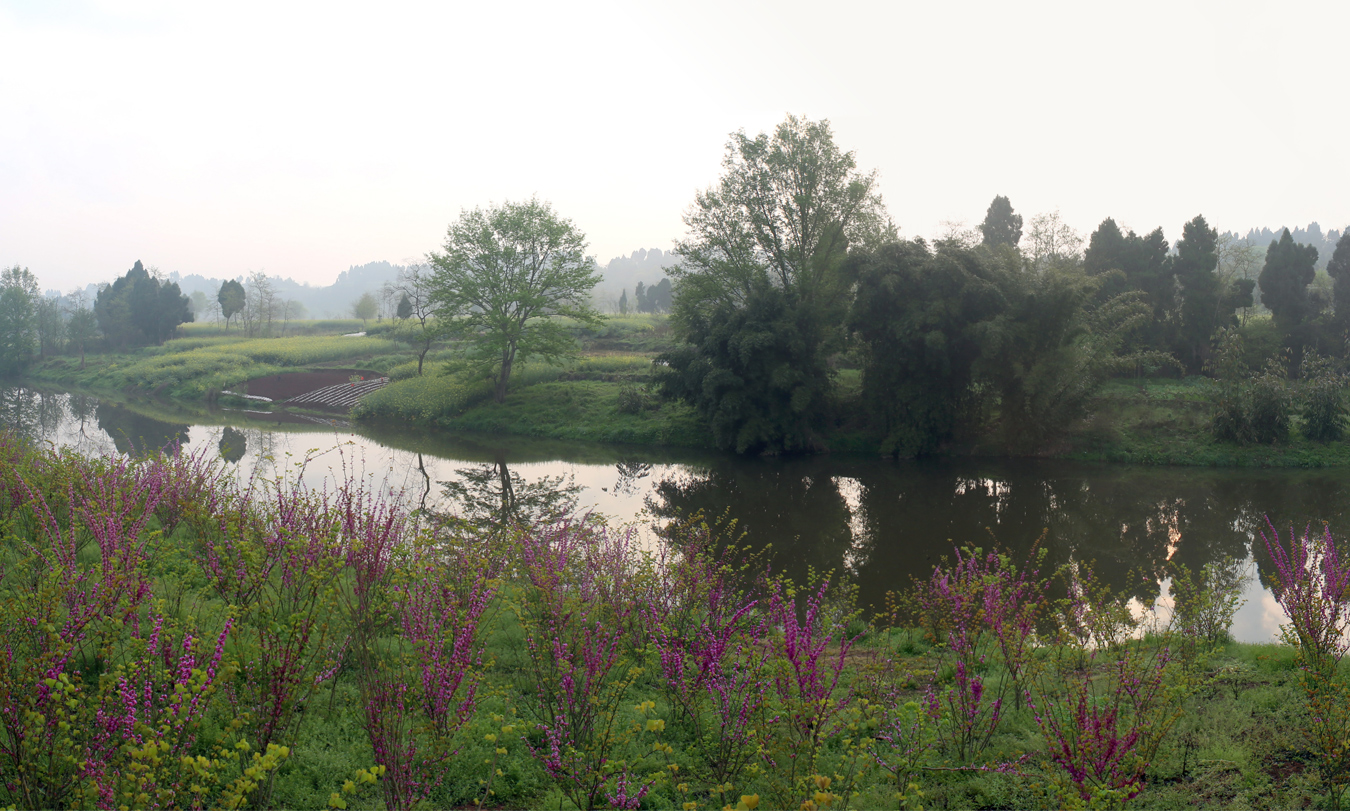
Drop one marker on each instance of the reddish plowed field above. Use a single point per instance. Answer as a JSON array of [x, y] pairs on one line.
[[289, 384]]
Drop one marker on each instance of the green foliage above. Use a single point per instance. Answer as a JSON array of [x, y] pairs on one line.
[[1001, 226], [365, 308], [1201, 298], [505, 273], [1322, 392], [1338, 268], [764, 257], [1229, 422], [1144, 265], [18, 293], [754, 371], [1203, 606], [137, 309], [81, 330], [1052, 348], [232, 299], [922, 319], [1284, 280], [1248, 408]]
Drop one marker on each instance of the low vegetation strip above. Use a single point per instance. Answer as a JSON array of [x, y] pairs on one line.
[[202, 371], [177, 639]]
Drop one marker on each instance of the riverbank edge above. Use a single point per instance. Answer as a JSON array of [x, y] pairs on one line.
[[1173, 432]]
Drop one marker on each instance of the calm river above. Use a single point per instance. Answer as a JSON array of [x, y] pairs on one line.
[[879, 521]]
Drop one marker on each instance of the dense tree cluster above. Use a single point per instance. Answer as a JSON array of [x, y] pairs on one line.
[[137, 309], [761, 290], [791, 270]]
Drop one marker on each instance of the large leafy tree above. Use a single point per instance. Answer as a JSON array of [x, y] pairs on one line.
[[766, 246], [922, 319], [365, 308], [1289, 269], [505, 273], [138, 309], [1001, 225], [18, 297], [232, 299]]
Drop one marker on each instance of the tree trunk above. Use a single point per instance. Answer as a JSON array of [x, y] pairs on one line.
[[500, 395]]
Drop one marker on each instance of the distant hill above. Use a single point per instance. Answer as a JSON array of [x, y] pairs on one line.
[[1324, 242], [328, 301], [645, 265]]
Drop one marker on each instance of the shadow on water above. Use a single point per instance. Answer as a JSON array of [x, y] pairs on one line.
[[882, 523]]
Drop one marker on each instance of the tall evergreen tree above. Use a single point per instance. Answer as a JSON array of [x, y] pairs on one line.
[[1201, 298], [1338, 268], [1001, 226], [1284, 281]]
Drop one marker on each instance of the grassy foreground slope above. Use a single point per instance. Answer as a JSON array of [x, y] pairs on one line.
[[176, 640]]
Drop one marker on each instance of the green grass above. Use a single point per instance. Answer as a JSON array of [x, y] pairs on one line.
[[196, 372], [300, 327], [1166, 422], [583, 410], [579, 401]]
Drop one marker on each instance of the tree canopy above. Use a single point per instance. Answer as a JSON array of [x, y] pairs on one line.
[[922, 319], [1289, 269], [138, 309], [765, 251], [232, 299], [18, 295], [1338, 268], [504, 275], [1001, 226]]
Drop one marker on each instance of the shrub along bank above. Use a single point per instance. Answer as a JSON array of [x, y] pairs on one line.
[[177, 639]]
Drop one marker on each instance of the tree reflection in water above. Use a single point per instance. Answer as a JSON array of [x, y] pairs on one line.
[[492, 497], [134, 433], [879, 522], [233, 444], [886, 523]]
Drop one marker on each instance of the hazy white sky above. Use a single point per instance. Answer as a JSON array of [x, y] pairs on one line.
[[299, 139]]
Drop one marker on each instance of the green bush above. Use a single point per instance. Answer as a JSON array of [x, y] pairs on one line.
[[1269, 404], [1322, 391]]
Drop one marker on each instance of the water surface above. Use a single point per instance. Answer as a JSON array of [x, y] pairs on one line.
[[880, 522]]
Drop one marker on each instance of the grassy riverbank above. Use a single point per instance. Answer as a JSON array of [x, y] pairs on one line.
[[604, 396], [1167, 422], [176, 641]]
